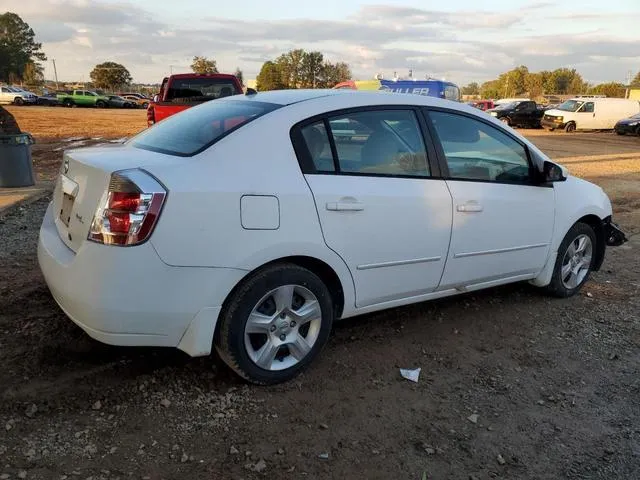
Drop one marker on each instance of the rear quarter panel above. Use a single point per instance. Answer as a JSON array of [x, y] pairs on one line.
[[201, 222]]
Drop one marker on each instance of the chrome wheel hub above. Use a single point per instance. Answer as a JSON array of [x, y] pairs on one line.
[[283, 327], [576, 261]]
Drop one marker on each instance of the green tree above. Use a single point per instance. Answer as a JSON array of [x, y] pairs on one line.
[[311, 70], [534, 84], [611, 89], [110, 75], [17, 47], [565, 80], [636, 80], [472, 89], [334, 73], [270, 77], [290, 66], [513, 81], [239, 75], [491, 89], [204, 65], [33, 74]]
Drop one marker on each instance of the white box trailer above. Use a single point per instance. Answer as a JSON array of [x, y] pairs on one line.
[[582, 113]]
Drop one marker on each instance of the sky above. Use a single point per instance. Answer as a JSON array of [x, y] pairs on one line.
[[460, 40]]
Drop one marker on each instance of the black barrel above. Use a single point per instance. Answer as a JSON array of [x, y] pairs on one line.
[[16, 165]]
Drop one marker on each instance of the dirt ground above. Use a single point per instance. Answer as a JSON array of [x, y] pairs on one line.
[[514, 384]]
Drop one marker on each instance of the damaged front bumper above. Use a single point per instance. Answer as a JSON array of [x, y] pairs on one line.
[[613, 234]]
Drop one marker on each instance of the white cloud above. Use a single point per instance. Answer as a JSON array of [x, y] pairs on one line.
[[464, 45]]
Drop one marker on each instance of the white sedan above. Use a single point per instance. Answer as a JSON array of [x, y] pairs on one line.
[[249, 224]]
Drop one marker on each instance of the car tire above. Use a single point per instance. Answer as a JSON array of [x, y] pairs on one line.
[[18, 101], [101, 104], [576, 257], [278, 344], [551, 129], [506, 121], [145, 105], [638, 131], [570, 127], [67, 102]]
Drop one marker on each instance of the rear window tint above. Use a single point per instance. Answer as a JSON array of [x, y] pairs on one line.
[[194, 130], [200, 89]]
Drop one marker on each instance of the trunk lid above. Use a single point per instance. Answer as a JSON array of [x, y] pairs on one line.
[[83, 182]]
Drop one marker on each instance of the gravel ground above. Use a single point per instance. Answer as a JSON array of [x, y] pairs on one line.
[[513, 385]]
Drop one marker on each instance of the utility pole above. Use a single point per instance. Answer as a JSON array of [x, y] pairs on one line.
[[55, 72]]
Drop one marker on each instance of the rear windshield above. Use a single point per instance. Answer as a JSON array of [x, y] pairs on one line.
[[194, 130], [200, 89]]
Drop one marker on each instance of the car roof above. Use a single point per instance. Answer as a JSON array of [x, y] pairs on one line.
[[375, 97]]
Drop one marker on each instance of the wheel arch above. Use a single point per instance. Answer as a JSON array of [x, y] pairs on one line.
[[323, 270], [596, 224]]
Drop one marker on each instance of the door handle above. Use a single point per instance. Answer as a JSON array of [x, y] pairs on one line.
[[471, 207], [345, 206]]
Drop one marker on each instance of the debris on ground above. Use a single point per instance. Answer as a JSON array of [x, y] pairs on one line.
[[411, 375]]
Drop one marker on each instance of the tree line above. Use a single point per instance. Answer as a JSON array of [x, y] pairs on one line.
[[301, 69], [521, 81]]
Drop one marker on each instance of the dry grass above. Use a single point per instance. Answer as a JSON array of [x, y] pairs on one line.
[[59, 122]]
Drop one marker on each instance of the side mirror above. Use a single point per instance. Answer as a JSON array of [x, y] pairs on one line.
[[156, 98], [552, 173]]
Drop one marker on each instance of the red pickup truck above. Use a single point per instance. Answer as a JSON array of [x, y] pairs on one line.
[[181, 91]]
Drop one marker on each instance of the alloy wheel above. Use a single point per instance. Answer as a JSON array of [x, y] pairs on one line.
[[576, 261], [283, 327]]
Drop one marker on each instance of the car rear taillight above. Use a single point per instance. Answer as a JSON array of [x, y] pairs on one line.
[[129, 209], [151, 116]]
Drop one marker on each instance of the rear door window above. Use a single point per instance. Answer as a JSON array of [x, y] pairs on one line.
[[184, 90], [194, 130]]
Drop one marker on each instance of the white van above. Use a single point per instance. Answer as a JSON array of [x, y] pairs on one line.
[[582, 113]]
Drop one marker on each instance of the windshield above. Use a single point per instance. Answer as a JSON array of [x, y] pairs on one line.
[[200, 89], [636, 116], [196, 129], [570, 106], [507, 106]]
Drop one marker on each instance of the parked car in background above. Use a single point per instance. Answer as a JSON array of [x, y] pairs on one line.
[[16, 96], [242, 225], [628, 125], [483, 105], [139, 101], [589, 114], [503, 101], [141, 96], [83, 98], [518, 114], [49, 99], [181, 91], [120, 102]]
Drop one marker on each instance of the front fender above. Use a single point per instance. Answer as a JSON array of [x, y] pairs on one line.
[[576, 200]]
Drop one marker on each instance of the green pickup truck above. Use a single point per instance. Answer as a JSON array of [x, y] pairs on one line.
[[83, 98]]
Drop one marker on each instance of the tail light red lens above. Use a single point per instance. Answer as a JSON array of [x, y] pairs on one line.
[[151, 116], [129, 209]]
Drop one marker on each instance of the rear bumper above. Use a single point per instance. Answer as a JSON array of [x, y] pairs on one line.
[[128, 296]]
